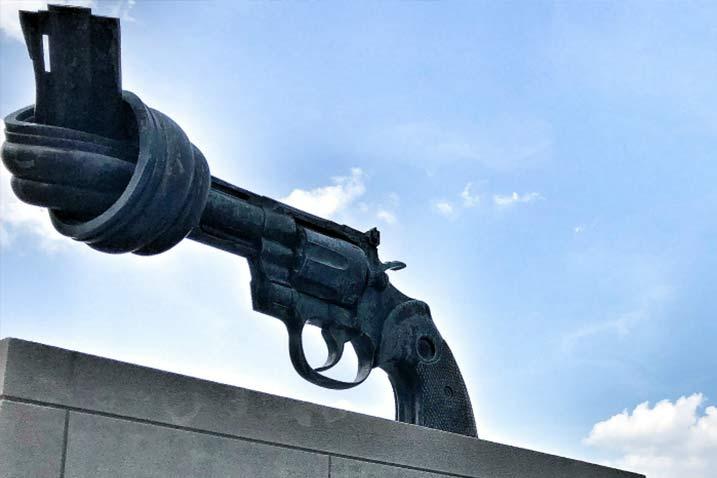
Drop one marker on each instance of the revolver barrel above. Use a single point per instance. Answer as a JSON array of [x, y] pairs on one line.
[[229, 223]]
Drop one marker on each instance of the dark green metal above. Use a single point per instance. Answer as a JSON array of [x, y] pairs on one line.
[[123, 177]]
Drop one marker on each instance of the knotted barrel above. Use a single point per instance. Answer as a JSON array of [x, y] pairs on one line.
[[142, 195]]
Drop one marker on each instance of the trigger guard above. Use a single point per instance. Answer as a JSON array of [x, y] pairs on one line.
[[335, 350], [364, 353]]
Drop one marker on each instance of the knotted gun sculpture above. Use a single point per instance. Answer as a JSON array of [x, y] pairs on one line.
[[123, 177]]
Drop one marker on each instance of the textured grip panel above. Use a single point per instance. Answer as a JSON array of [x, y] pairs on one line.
[[442, 397], [427, 384], [432, 394]]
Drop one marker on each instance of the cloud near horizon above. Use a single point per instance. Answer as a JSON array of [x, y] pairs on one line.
[[670, 440]]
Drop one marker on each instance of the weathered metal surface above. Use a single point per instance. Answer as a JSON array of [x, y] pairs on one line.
[[139, 185], [81, 85]]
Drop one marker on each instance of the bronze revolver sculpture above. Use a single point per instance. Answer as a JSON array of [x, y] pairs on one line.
[[123, 177]]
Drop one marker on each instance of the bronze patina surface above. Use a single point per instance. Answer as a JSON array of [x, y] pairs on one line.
[[123, 177]]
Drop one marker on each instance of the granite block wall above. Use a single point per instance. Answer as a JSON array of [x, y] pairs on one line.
[[65, 414]]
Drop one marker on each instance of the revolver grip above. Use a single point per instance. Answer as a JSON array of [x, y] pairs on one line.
[[427, 384], [433, 395]]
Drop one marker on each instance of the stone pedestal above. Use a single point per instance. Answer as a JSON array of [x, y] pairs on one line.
[[64, 414]]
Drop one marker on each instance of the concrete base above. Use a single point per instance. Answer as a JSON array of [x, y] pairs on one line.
[[70, 415]]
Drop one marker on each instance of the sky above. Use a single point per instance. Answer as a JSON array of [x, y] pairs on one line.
[[547, 170]]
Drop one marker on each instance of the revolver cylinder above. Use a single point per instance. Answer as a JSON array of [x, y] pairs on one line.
[[330, 269]]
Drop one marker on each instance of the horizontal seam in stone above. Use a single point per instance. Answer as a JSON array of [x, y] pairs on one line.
[[226, 435]]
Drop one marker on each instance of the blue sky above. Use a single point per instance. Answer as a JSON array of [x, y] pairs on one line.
[[546, 170]]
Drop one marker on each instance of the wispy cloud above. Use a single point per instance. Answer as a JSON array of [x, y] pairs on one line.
[[622, 325], [386, 210], [469, 198], [669, 440], [327, 201], [444, 208], [585, 227], [515, 198], [386, 216]]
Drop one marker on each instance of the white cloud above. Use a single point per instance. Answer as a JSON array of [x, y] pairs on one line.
[[326, 201], [579, 229], [669, 440], [515, 198], [386, 216], [444, 208], [469, 199], [386, 211]]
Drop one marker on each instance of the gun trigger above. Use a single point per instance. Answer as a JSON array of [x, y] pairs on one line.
[[364, 352], [335, 340], [393, 266]]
